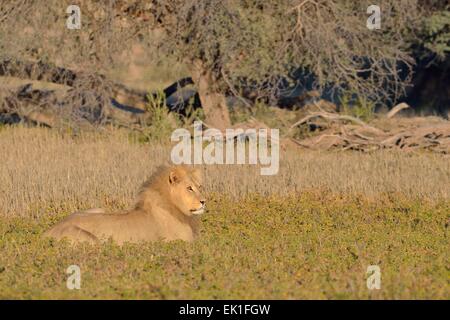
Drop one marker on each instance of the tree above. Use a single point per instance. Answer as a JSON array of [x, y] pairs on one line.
[[229, 45], [236, 44]]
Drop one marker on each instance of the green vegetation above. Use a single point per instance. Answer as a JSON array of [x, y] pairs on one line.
[[357, 106], [161, 123], [436, 33], [303, 246]]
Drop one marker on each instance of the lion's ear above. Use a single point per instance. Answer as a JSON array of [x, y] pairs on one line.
[[173, 177]]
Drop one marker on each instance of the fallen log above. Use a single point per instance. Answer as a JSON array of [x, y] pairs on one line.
[[360, 136], [334, 117], [397, 109]]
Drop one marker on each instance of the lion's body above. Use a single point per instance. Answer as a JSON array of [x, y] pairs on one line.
[[158, 214]]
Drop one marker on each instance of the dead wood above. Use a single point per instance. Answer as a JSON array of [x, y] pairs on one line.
[[348, 133], [397, 109]]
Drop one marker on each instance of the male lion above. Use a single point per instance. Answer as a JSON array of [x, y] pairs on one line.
[[167, 208]]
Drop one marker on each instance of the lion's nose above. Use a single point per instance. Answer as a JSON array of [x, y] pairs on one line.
[[203, 202]]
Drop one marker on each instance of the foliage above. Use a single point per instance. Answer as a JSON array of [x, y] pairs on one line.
[[307, 246], [159, 126], [357, 106], [437, 33]]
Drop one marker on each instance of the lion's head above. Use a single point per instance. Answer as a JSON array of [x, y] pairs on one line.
[[185, 190], [179, 185]]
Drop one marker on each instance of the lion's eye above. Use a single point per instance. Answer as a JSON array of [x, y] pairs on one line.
[[190, 189]]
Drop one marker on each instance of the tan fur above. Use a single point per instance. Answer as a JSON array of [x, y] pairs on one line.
[[166, 209]]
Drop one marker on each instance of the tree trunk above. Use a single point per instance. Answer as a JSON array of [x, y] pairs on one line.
[[213, 102]]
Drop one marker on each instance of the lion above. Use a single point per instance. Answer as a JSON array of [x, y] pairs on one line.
[[167, 208]]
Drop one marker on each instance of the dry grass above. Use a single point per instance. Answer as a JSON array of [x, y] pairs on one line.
[[44, 171]]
